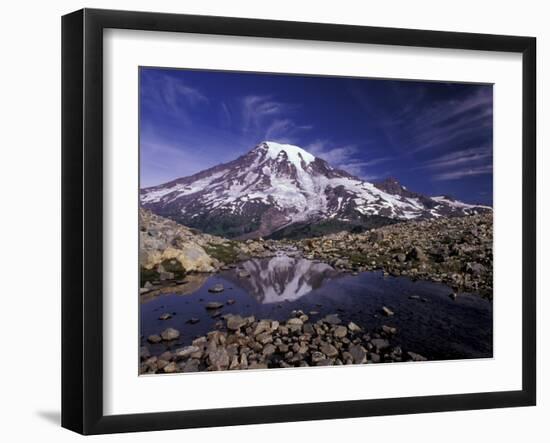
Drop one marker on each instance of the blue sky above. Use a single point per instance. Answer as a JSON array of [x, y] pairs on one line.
[[434, 137]]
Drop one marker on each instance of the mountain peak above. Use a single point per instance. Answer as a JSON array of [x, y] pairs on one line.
[[294, 154], [277, 185]]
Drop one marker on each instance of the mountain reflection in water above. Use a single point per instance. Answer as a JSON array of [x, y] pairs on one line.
[[281, 278], [427, 319]]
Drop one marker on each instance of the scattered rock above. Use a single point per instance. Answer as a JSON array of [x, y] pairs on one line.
[[416, 357], [380, 343], [170, 368], [154, 339], [358, 353], [216, 288], [219, 359], [328, 350], [387, 311], [340, 331], [144, 353], [213, 305], [247, 343], [165, 316], [235, 322], [186, 351], [332, 319], [170, 334]]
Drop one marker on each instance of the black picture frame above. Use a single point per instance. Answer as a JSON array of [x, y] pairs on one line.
[[82, 216]]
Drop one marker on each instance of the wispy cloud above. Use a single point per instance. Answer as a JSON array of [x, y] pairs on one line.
[[257, 108], [271, 119], [346, 157], [469, 156], [173, 96], [466, 172], [452, 123]]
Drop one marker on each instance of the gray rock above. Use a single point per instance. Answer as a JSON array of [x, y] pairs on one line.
[[170, 368], [416, 357], [170, 334], [186, 351], [235, 322], [332, 319], [165, 316], [191, 365], [154, 338], [262, 326], [213, 305], [317, 356], [475, 268], [387, 311], [166, 275], [358, 353], [269, 349], [219, 359], [216, 288], [380, 343], [264, 338], [328, 350], [144, 353], [353, 327], [340, 331]]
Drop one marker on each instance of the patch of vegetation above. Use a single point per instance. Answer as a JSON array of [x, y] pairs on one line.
[[300, 231], [174, 266], [146, 275], [227, 225], [224, 252]]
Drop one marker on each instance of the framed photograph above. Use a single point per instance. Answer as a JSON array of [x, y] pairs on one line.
[[269, 221]]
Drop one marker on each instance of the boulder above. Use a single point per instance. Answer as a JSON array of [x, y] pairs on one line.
[[235, 322], [216, 288], [170, 334], [154, 338], [340, 331], [387, 311], [358, 353]]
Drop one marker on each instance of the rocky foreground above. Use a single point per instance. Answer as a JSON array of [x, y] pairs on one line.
[[456, 251], [168, 251], [247, 343]]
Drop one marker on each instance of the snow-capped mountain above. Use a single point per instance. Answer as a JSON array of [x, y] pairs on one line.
[[276, 186], [283, 278]]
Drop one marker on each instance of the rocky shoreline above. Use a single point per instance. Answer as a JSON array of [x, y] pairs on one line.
[[455, 251], [246, 343]]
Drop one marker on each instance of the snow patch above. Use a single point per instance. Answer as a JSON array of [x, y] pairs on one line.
[[295, 154]]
